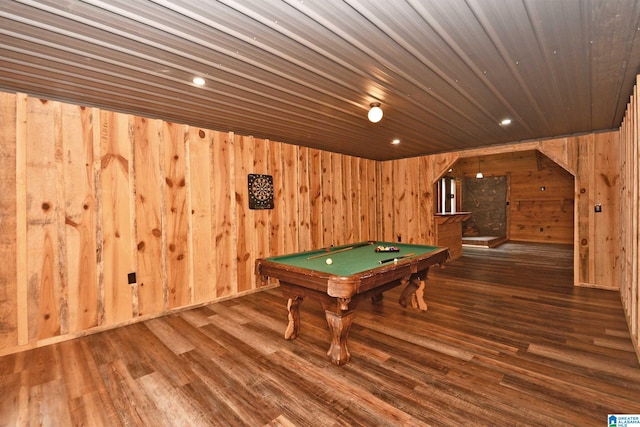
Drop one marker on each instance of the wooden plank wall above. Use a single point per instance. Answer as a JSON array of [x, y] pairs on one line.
[[92, 196], [629, 215], [95, 195], [536, 215], [597, 174]]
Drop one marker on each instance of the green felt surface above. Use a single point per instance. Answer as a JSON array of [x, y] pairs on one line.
[[351, 261]]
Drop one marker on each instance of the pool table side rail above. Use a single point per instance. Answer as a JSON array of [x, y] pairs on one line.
[[348, 286]]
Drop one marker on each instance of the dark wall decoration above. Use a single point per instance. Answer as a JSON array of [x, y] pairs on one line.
[[260, 191]]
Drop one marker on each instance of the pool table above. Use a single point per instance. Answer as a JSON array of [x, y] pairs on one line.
[[353, 273]]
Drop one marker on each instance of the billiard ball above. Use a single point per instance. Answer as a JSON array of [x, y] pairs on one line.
[[329, 261]]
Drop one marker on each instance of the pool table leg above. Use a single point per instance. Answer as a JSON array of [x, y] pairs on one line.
[[413, 290], [293, 307], [418, 297], [339, 326]]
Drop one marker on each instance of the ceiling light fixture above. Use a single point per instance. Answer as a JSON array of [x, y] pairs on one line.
[[198, 81], [395, 141], [479, 175], [505, 122], [375, 113]]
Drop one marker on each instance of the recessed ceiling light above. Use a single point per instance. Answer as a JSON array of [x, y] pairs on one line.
[[199, 81], [505, 122], [395, 141]]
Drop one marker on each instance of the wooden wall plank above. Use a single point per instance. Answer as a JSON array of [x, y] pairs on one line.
[[372, 211], [633, 312], [357, 181], [541, 216], [262, 218], [8, 222], [337, 200], [426, 204], [42, 211], [22, 249], [277, 228], [80, 215], [200, 146], [315, 198], [583, 205], [400, 189], [348, 234], [290, 196], [149, 227], [562, 151], [386, 186], [223, 212], [361, 175], [413, 202], [176, 214], [303, 200], [116, 145], [245, 230], [328, 238], [606, 182]]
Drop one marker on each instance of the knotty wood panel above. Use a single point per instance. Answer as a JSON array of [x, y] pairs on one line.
[[386, 230], [8, 223], [628, 246], [223, 214], [328, 237], [606, 224], [43, 210], [358, 186], [150, 233], [584, 202], [562, 151], [367, 202], [337, 217], [290, 197], [261, 218], [116, 145], [79, 140], [303, 200], [315, 198], [406, 188], [276, 244], [244, 234], [537, 215], [176, 215], [199, 148]]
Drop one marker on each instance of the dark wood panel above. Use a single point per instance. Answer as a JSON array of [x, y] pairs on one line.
[[507, 340]]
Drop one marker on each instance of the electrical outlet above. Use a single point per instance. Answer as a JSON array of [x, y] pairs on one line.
[[131, 278], [598, 207]]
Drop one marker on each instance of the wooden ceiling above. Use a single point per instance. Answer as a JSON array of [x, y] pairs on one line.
[[305, 71]]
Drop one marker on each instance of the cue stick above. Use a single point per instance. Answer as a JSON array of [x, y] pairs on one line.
[[395, 258], [339, 250]]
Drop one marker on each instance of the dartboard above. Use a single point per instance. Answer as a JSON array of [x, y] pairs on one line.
[[260, 191]]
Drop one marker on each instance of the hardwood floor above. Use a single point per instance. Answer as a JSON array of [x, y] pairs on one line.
[[506, 340]]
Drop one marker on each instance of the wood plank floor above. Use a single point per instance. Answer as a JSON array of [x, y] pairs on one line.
[[506, 340]]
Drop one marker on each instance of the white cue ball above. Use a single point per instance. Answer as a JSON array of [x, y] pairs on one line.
[[329, 261]]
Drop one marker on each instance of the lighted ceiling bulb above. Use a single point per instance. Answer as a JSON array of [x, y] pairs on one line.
[[375, 113], [479, 175], [198, 81]]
